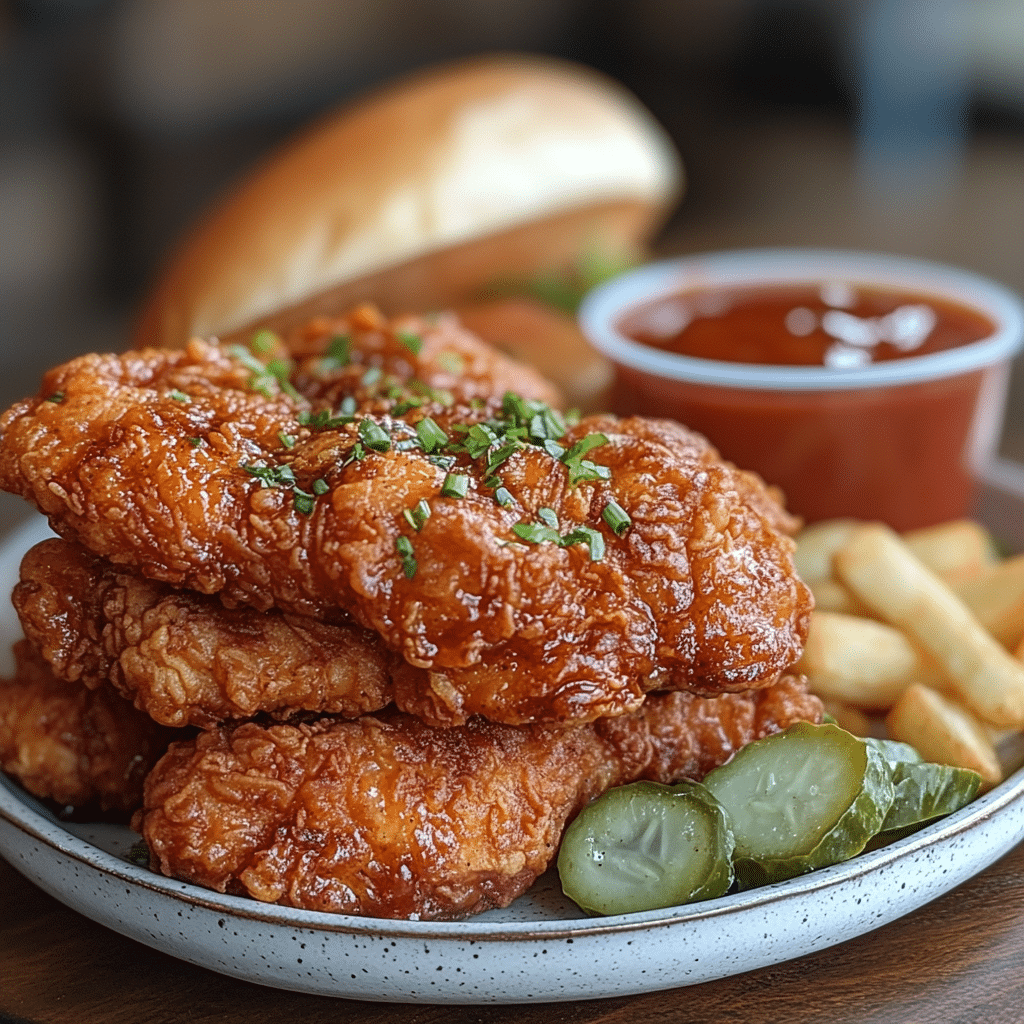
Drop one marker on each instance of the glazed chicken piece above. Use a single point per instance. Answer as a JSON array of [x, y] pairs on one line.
[[525, 570], [182, 657], [387, 816], [76, 746]]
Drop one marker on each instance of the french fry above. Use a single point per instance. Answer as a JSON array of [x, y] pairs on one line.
[[861, 662], [953, 550], [879, 568], [996, 597], [849, 718], [944, 732], [817, 543], [831, 596]]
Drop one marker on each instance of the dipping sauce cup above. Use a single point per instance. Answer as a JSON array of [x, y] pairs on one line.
[[895, 430]]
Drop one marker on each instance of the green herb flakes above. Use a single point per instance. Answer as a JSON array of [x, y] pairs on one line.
[[374, 436], [616, 517], [431, 436], [455, 485], [417, 515], [413, 342], [404, 548], [264, 341]]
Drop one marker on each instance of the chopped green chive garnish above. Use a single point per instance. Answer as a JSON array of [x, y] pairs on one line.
[[286, 439], [320, 486], [196, 442], [371, 377], [417, 515], [406, 405], [547, 531], [438, 395], [584, 445], [413, 342], [57, 397], [303, 502], [430, 434], [404, 548], [616, 517], [589, 536], [265, 378], [272, 476], [337, 354], [264, 341], [535, 533], [503, 497], [179, 396], [548, 517], [455, 486], [374, 436]]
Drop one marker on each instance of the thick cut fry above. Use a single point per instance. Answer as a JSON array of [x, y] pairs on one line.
[[886, 575], [831, 596], [954, 550], [817, 543], [944, 732], [861, 662], [996, 597]]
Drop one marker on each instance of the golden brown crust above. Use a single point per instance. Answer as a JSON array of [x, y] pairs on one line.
[[77, 746], [389, 817], [700, 592], [182, 657], [419, 196]]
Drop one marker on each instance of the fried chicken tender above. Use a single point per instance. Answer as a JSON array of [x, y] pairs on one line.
[[387, 816], [182, 657], [475, 539], [76, 746]]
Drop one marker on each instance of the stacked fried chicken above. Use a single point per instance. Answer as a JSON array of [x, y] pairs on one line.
[[406, 616]]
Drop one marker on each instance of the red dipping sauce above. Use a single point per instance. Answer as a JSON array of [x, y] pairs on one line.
[[874, 401], [831, 324]]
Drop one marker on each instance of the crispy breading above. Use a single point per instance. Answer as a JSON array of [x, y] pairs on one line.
[[481, 552], [387, 816], [182, 657], [77, 746]]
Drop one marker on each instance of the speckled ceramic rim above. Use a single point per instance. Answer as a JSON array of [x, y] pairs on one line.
[[17, 809], [606, 306]]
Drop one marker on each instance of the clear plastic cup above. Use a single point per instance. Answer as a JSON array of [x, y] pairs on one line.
[[902, 441]]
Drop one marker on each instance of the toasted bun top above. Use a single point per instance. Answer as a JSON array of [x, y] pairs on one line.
[[457, 178]]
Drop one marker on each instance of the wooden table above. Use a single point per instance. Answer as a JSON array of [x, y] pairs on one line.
[[956, 961]]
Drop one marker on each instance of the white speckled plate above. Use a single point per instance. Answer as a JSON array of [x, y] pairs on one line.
[[539, 949]]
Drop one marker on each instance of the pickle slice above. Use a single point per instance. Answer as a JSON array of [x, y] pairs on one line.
[[800, 800], [924, 791], [645, 846]]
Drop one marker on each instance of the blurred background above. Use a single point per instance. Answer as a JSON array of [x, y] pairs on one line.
[[894, 125]]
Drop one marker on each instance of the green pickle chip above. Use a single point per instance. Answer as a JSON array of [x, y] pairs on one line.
[[644, 846], [802, 799], [923, 790]]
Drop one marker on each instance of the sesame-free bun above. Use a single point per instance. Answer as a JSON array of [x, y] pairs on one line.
[[422, 195]]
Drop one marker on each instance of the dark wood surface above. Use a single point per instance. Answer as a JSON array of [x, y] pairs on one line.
[[956, 960]]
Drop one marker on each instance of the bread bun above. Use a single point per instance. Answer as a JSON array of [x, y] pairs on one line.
[[421, 195]]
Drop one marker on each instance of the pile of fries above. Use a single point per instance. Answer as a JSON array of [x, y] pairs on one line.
[[925, 628]]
